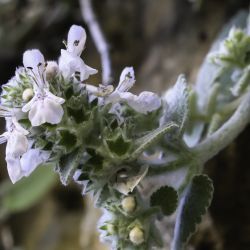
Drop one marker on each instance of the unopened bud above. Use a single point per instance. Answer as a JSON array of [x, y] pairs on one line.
[[111, 228], [136, 236], [129, 204], [51, 69], [27, 94]]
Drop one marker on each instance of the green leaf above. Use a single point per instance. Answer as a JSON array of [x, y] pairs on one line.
[[119, 145], [102, 197], [166, 198], [146, 141], [68, 164], [193, 205], [28, 191], [177, 104], [67, 139], [155, 235]]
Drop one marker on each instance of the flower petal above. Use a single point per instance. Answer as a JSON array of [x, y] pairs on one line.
[[76, 40], [32, 159], [4, 137], [127, 79], [18, 127], [29, 105], [34, 60], [145, 102], [149, 100], [56, 99], [53, 111], [17, 144], [14, 168], [86, 71], [37, 113], [69, 64]]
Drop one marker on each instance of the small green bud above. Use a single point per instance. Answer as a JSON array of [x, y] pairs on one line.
[[27, 94], [129, 204], [136, 236], [110, 228]]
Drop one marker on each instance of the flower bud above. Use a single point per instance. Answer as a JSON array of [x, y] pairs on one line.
[[51, 70], [136, 236], [27, 94], [110, 228], [129, 204]]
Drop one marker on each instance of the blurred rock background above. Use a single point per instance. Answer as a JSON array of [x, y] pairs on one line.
[[161, 39]]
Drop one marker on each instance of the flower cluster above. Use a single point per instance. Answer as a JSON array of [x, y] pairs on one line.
[[112, 141], [38, 95], [94, 134]]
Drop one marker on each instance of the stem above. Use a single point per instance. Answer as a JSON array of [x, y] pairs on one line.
[[99, 40], [171, 166], [214, 143]]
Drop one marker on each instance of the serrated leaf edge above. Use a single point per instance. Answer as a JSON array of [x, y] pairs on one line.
[[183, 244]]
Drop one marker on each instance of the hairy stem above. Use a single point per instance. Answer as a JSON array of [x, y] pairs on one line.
[[214, 143], [99, 40]]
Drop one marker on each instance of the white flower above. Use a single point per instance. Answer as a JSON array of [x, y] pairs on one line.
[[17, 142], [24, 166], [145, 102], [70, 62], [34, 62], [21, 161], [44, 106], [76, 40]]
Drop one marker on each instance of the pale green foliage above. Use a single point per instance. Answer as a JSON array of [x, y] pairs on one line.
[[27, 192], [110, 148]]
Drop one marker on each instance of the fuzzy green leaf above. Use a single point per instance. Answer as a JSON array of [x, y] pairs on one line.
[[119, 145], [68, 164], [166, 198], [177, 104], [67, 139], [193, 205], [28, 191], [146, 141]]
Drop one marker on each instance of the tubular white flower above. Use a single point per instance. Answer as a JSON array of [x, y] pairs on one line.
[[44, 106], [144, 103], [19, 167], [127, 80], [33, 60], [76, 40], [17, 142], [70, 62]]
